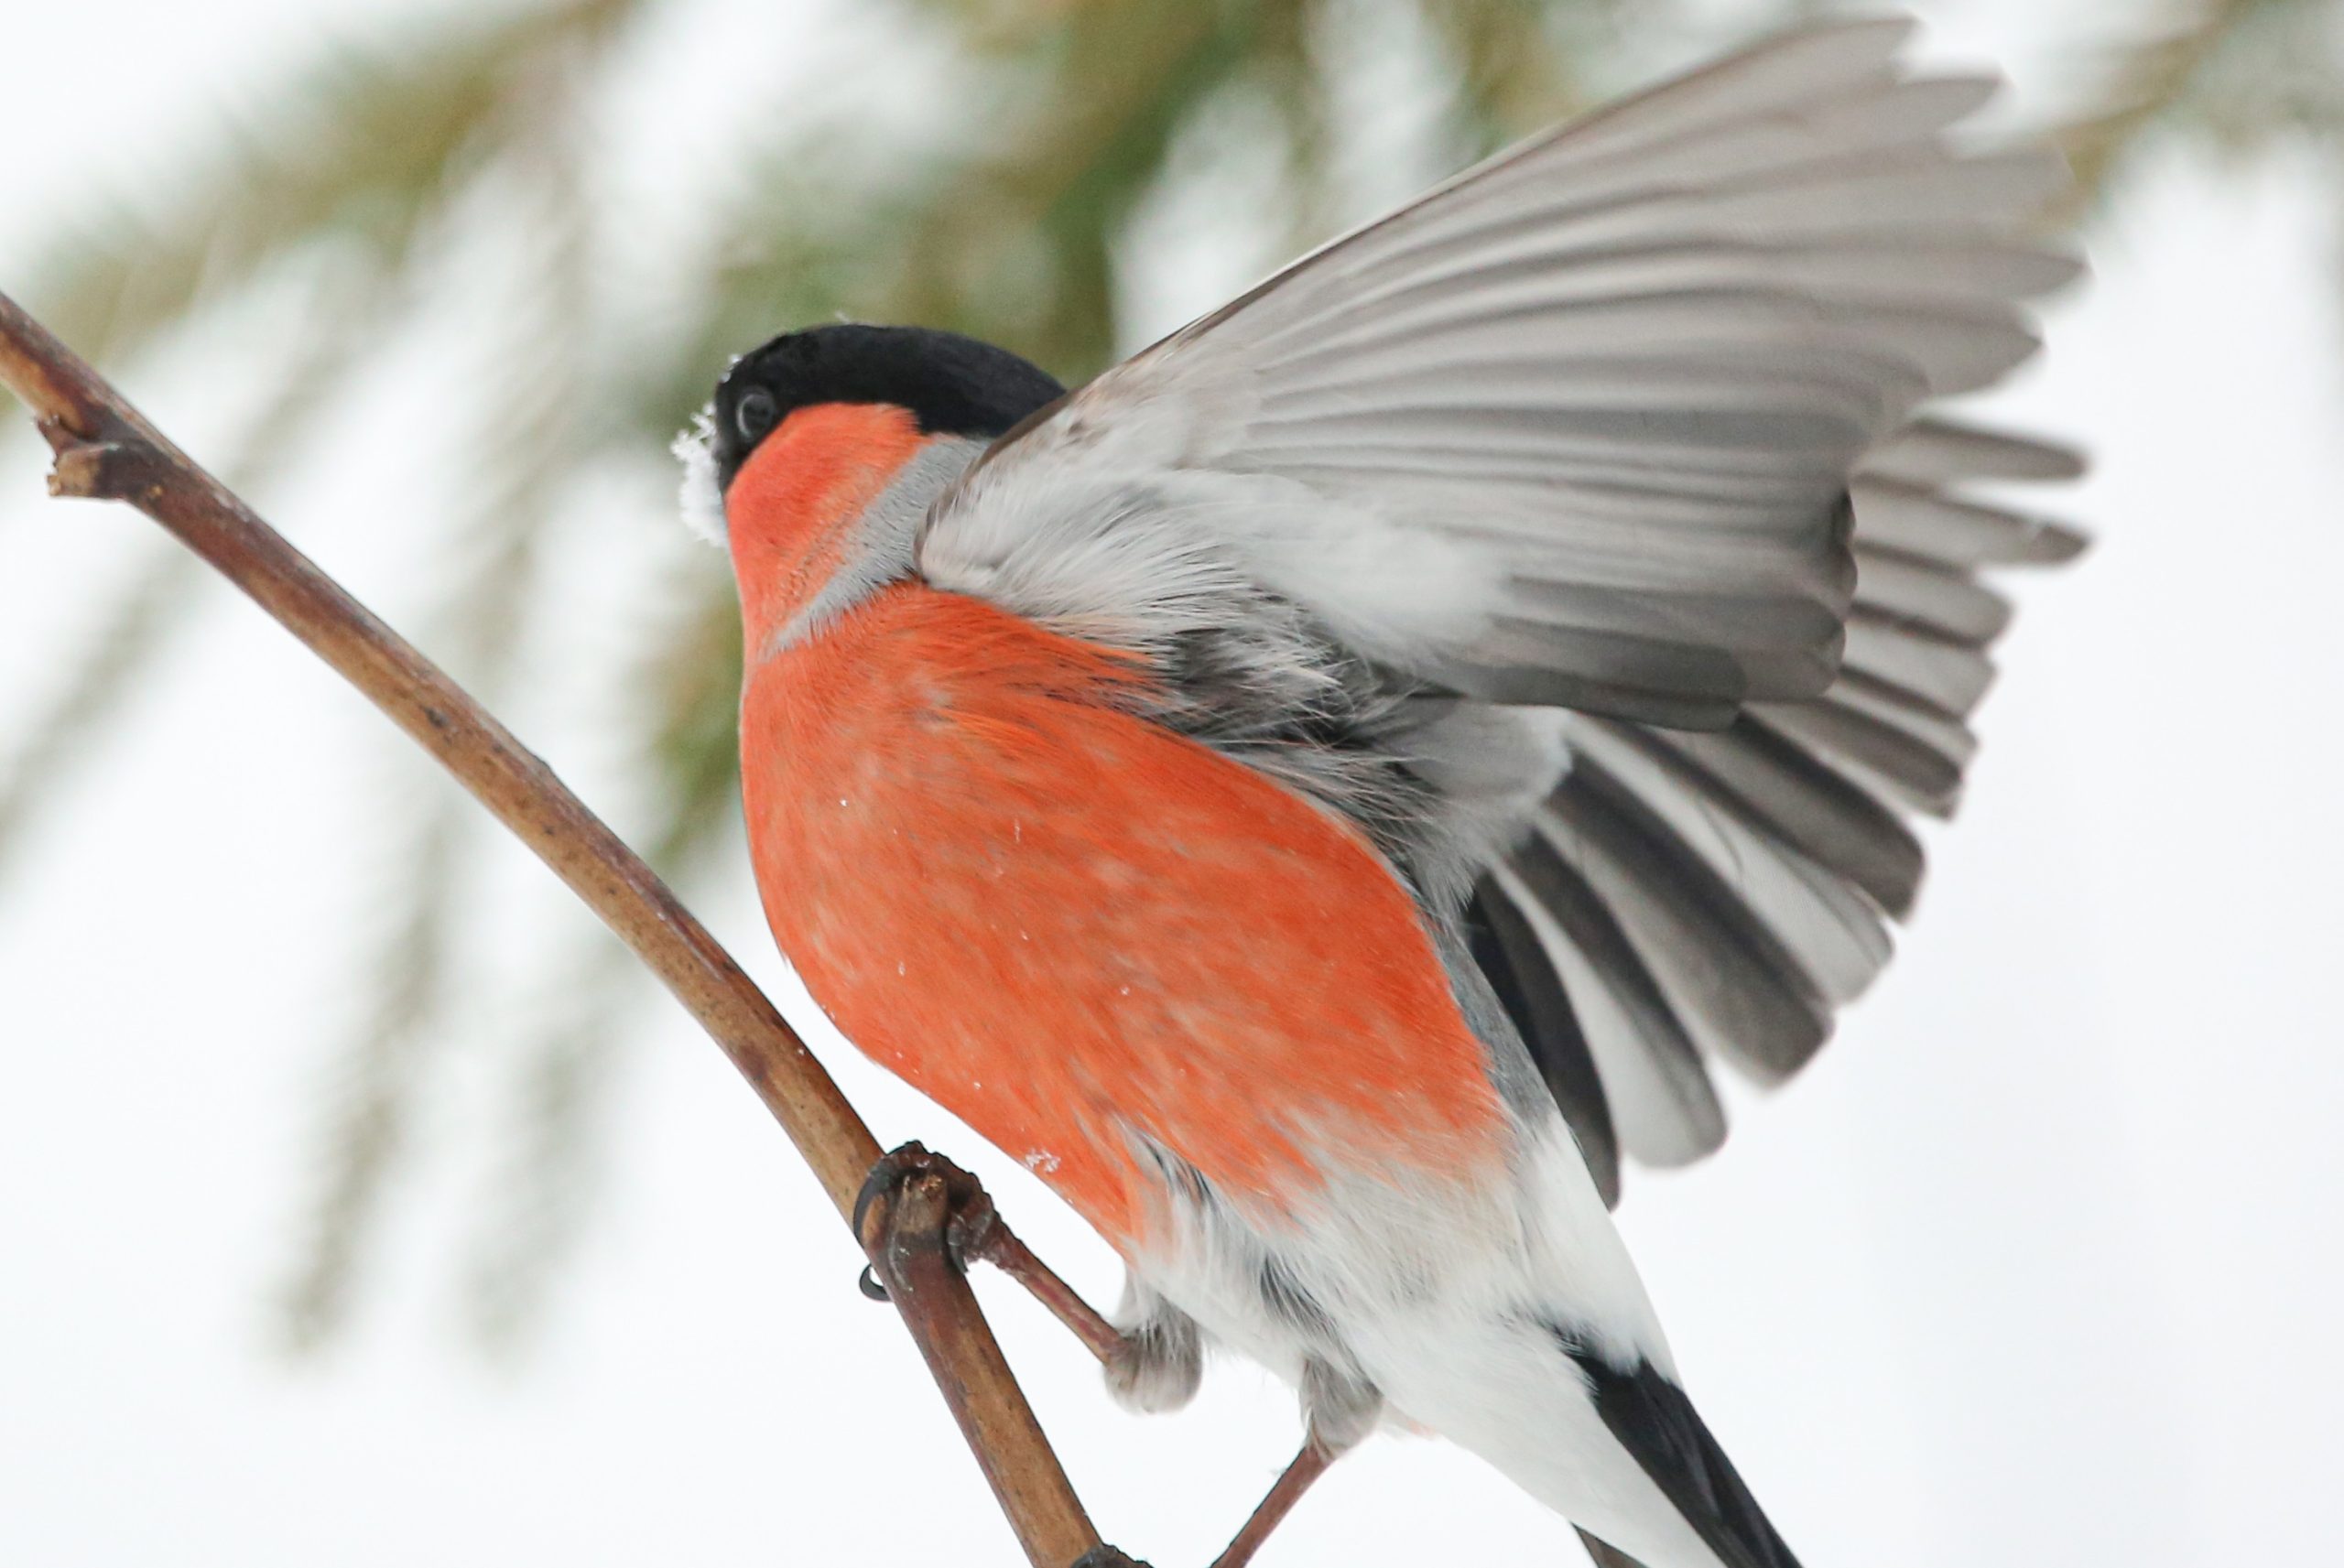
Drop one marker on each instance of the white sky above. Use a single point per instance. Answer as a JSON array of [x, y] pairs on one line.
[[2036, 1265]]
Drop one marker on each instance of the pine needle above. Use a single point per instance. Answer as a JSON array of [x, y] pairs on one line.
[[365, 148], [511, 498], [2151, 80], [147, 612]]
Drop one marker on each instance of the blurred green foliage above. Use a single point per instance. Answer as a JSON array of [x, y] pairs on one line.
[[1015, 234]]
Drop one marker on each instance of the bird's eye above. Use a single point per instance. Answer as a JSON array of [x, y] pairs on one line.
[[756, 414]]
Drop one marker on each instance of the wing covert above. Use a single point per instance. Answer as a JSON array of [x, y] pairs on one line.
[[1575, 428]]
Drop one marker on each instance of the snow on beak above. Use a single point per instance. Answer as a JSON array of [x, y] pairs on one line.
[[701, 498]]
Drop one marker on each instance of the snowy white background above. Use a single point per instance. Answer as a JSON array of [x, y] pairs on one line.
[[2036, 1265]]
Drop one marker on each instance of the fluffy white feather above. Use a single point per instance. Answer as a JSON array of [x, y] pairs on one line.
[[1447, 1299]]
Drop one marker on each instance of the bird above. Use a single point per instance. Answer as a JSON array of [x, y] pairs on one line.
[[1324, 792]]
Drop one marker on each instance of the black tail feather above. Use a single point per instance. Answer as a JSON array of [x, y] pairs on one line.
[[1605, 1555], [1657, 1423]]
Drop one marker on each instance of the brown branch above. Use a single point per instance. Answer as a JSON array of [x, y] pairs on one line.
[[106, 450], [908, 1232]]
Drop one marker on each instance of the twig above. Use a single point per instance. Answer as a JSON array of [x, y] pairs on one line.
[[106, 450], [906, 1234]]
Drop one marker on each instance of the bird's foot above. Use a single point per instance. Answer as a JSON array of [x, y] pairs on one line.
[[1153, 1365], [975, 1221], [977, 1234]]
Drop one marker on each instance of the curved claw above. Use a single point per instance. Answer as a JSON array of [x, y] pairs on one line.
[[975, 1222], [889, 1171]]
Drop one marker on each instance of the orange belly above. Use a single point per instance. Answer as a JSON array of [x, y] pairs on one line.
[[1070, 926]]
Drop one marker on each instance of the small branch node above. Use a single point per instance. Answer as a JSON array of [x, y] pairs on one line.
[[94, 471], [60, 432]]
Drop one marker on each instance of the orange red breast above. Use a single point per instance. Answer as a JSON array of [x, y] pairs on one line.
[[1073, 928]]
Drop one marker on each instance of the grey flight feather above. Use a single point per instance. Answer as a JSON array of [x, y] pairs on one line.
[[1755, 871]]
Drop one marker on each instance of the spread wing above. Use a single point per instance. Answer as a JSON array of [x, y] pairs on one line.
[[1578, 430]]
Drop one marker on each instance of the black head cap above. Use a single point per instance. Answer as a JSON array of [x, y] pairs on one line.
[[952, 386]]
